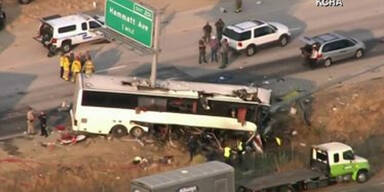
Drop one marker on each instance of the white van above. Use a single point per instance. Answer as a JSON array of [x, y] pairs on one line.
[[57, 32]]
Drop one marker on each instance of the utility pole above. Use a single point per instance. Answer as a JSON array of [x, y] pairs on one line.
[[156, 49]]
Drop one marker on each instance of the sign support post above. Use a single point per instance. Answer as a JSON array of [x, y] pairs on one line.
[[155, 49]]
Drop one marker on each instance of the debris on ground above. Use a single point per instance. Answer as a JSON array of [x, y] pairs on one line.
[[70, 138]]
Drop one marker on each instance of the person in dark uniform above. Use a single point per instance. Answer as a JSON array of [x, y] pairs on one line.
[[192, 147], [43, 124], [207, 29], [219, 29]]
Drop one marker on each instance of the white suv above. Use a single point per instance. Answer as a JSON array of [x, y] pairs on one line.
[[249, 35], [57, 32]]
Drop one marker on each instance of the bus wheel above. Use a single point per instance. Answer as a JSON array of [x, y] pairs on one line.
[[137, 132], [119, 131]]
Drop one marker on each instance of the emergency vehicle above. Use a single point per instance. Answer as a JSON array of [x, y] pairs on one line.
[[63, 32]]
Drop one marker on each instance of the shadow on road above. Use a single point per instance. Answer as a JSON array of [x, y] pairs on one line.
[[9, 101], [106, 59], [364, 35], [164, 72]]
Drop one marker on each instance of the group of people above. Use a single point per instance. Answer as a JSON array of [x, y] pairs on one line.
[[238, 151], [214, 43], [71, 65], [31, 117], [229, 152]]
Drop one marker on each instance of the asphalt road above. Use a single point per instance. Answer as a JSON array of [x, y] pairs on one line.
[[29, 77]]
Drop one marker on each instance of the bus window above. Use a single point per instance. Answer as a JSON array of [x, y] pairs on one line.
[[152, 103], [181, 105], [233, 113], [111, 100], [241, 114], [217, 108]]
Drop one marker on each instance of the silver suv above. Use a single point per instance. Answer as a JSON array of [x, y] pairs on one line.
[[331, 47]]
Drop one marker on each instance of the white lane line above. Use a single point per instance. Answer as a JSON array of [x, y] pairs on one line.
[[111, 69], [295, 29], [382, 183]]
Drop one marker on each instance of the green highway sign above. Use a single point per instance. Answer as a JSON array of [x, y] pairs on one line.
[[131, 20]]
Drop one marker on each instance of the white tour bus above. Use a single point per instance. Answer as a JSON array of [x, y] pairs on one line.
[[121, 105]]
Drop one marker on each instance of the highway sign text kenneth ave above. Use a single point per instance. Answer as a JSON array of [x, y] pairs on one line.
[[131, 20]]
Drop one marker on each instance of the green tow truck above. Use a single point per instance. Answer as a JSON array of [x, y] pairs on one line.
[[330, 163]]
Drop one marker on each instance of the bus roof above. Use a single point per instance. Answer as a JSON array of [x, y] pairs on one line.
[[183, 89], [184, 175]]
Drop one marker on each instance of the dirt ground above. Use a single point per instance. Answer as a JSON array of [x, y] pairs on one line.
[[97, 164], [352, 114]]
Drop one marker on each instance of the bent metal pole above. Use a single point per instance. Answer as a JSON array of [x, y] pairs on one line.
[[155, 49]]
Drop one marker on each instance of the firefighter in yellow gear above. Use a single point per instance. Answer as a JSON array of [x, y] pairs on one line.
[[227, 155], [279, 142], [66, 67], [89, 68], [76, 68], [240, 151]]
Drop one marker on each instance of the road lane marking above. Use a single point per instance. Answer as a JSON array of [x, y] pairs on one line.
[[111, 69]]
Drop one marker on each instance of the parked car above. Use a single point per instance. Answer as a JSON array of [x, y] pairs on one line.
[[2, 19], [57, 32], [249, 35], [331, 47]]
